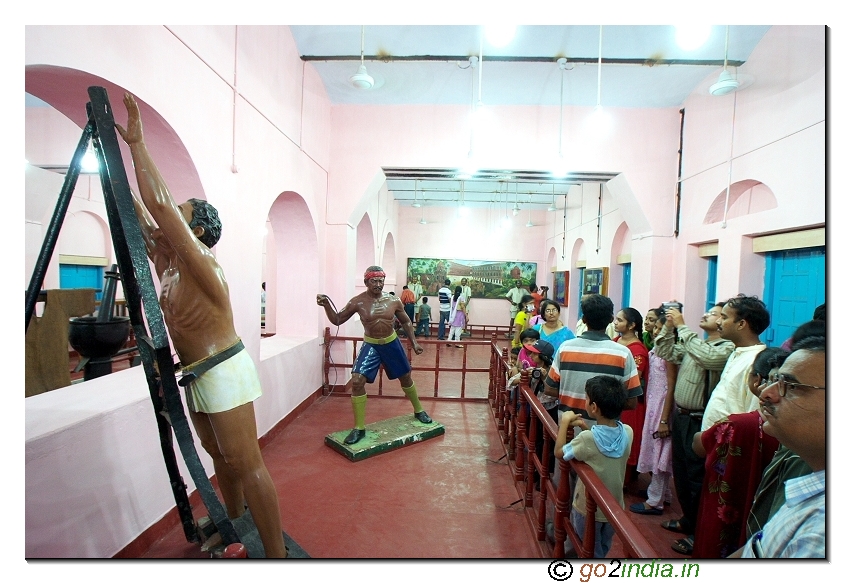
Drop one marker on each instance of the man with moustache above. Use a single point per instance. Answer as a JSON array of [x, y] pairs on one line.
[[380, 346], [794, 411], [742, 319], [700, 364], [514, 295]]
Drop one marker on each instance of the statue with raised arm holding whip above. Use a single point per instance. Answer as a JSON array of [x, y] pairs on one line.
[[380, 345]]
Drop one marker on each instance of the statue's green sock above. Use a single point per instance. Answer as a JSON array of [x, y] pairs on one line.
[[413, 397], [358, 403]]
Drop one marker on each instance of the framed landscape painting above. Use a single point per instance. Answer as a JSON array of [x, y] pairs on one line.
[[488, 279]]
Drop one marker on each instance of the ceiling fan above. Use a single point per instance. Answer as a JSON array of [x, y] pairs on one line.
[[725, 83], [361, 79]]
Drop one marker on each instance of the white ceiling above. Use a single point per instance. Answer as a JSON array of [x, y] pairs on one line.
[[396, 57], [642, 67]]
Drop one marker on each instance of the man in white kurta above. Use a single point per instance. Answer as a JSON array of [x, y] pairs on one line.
[[742, 319]]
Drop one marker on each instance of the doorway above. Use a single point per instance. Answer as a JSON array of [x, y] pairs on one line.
[[77, 276], [795, 284]]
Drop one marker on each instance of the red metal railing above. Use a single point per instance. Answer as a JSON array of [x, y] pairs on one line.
[[464, 369], [520, 419]]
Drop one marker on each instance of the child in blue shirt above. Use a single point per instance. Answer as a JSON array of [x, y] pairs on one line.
[[604, 446]]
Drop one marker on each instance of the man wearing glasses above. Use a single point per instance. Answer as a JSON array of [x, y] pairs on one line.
[[793, 409]]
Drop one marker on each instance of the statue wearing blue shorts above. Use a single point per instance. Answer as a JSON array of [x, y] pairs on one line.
[[380, 346]]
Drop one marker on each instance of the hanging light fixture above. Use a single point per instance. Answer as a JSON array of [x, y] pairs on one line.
[[469, 167], [516, 202], [477, 114], [725, 83], [462, 209], [560, 167], [361, 79], [529, 223], [90, 164], [422, 221], [600, 117], [415, 202], [552, 207], [506, 222]]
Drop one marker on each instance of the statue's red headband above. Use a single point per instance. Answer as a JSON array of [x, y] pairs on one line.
[[371, 274]]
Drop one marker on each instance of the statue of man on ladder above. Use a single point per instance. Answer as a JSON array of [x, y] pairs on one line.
[[220, 378]]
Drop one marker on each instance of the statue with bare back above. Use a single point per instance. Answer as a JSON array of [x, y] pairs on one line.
[[220, 378], [380, 346]]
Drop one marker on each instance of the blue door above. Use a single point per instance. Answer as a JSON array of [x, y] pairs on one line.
[[580, 279], [627, 284], [711, 284], [795, 284], [77, 276]]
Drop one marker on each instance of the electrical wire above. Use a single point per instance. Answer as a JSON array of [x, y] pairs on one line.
[[330, 359]]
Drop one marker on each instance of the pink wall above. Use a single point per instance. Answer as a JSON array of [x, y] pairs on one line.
[[779, 140], [643, 150]]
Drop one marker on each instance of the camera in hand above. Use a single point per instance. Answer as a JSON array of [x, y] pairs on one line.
[[668, 305], [535, 380]]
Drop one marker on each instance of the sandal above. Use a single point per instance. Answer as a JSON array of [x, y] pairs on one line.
[[673, 526], [642, 508], [683, 546]]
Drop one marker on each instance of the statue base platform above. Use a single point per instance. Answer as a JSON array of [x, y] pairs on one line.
[[384, 436], [250, 538]]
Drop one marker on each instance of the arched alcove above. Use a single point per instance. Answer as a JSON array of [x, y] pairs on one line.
[[388, 262], [746, 197], [577, 255], [54, 123], [292, 257], [621, 245], [67, 91], [85, 234], [551, 265], [365, 251]]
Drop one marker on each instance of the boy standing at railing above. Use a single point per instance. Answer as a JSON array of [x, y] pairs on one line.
[[604, 446], [423, 328]]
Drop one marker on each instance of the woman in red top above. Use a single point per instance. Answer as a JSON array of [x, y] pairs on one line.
[[628, 324]]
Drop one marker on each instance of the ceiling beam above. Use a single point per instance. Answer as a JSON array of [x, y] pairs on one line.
[[649, 61]]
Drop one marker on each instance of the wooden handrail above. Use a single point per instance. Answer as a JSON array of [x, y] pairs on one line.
[[531, 418]]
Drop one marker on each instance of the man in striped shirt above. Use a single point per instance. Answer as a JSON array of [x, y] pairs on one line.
[[591, 354]]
